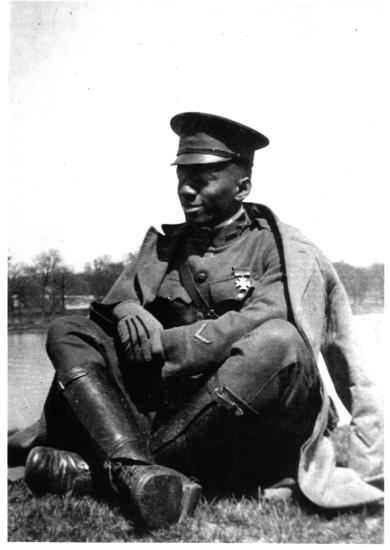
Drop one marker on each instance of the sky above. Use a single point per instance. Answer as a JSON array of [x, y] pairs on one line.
[[93, 85]]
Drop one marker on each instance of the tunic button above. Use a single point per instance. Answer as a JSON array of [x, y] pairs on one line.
[[201, 277]]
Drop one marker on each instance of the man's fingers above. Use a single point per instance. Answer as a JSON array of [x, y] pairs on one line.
[[144, 351], [128, 341], [138, 340], [144, 327], [128, 328], [141, 341]]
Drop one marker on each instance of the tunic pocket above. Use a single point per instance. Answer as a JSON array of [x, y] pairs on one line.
[[173, 306], [229, 293], [171, 289]]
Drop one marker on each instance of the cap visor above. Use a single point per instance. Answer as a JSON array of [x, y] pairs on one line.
[[196, 158]]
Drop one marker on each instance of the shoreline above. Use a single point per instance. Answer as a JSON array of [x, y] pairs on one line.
[[28, 328], [358, 309], [35, 323]]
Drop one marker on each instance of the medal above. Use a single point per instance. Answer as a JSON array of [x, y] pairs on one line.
[[243, 281]]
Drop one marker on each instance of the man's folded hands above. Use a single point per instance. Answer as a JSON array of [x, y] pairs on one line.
[[139, 333]]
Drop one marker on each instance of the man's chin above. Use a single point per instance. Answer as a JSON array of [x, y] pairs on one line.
[[197, 219], [193, 222]]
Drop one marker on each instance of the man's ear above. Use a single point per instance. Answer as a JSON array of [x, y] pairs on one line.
[[244, 186]]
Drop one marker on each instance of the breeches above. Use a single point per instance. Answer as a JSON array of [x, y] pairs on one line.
[[237, 427]]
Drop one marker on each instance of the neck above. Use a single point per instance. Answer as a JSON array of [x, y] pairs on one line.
[[221, 233]]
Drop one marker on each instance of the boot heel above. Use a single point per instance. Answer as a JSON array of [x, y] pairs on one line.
[[192, 492]]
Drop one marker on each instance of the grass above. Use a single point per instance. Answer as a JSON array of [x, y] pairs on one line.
[[84, 519]]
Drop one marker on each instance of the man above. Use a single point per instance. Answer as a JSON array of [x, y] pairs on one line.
[[199, 367]]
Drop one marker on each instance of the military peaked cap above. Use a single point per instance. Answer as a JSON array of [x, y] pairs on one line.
[[206, 138]]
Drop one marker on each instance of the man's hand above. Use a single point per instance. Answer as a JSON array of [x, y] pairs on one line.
[[139, 333]]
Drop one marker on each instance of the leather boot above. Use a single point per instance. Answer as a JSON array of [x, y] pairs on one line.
[[157, 495], [100, 409], [51, 470], [103, 415], [57, 471]]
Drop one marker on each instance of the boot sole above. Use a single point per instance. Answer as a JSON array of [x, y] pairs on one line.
[[155, 494]]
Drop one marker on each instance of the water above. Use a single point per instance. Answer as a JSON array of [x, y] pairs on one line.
[[29, 376]]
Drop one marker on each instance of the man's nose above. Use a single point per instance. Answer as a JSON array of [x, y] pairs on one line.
[[187, 190]]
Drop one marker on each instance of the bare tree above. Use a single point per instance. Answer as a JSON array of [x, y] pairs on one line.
[[16, 288], [45, 268], [101, 274]]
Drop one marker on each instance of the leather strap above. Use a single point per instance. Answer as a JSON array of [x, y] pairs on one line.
[[224, 397], [209, 151], [195, 292]]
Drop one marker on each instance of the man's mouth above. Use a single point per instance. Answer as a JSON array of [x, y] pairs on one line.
[[191, 208]]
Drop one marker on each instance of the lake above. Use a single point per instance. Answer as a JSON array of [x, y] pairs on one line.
[[29, 376], [30, 371]]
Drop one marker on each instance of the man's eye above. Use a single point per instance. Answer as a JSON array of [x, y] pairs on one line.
[[182, 179]]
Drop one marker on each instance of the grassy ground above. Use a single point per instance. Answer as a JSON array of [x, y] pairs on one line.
[[65, 519], [83, 519]]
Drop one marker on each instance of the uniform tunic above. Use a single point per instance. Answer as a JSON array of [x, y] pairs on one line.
[[243, 252]]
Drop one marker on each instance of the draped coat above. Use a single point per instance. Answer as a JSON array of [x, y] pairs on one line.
[[322, 314]]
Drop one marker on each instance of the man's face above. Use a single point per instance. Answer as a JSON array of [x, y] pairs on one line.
[[207, 192]]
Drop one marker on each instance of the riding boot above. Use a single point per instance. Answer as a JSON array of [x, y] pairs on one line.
[[116, 449], [58, 471], [101, 411]]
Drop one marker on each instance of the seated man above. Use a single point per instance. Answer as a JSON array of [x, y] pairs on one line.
[[201, 361]]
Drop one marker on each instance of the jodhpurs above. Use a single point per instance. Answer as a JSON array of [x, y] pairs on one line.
[[236, 428]]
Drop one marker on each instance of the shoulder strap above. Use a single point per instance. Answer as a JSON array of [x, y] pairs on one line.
[[194, 291]]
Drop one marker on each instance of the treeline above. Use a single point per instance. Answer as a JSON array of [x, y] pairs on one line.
[[48, 287], [364, 285]]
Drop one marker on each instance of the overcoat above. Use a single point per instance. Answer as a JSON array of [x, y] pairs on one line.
[[322, 314]]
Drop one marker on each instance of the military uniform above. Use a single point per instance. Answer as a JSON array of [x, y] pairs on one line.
[[239, 272], [232, 394]]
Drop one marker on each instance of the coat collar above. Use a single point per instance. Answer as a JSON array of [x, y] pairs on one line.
[[296, 251], [154, 256]]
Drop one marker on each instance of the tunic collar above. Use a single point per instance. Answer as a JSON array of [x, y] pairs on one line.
[[204, 237]]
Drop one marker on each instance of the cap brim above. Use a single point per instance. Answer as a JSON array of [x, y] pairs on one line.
[[196, 158]]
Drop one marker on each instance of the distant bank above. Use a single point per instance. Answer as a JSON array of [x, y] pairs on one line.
[[36, 322]]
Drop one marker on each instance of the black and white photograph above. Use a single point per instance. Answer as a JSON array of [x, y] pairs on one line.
[[196, 253]]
